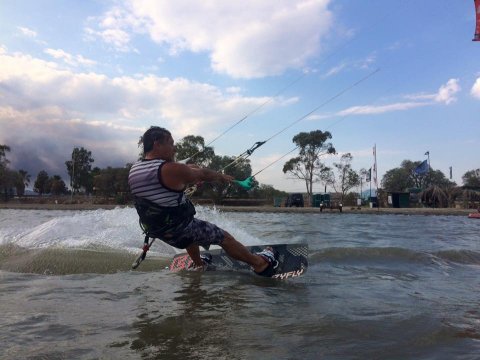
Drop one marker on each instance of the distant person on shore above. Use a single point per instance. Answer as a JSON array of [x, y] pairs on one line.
[[158, 184]]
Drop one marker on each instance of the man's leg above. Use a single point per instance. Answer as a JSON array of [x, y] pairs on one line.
[[238, 251], [201, 232], [193, 251]]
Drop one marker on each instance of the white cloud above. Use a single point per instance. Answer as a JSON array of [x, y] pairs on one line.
[[117, 38], [379, 109], [34, 82], [69, 59], [364, 63], [475, 91], [27, 32], [335, 70], [446, 93], [245, 39]]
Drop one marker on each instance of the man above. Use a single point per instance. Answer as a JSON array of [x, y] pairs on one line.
[[158, 184]]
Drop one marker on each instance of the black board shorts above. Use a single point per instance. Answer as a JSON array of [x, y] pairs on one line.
[[199, 232]]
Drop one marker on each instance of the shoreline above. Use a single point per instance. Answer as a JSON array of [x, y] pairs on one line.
[[262, 209]]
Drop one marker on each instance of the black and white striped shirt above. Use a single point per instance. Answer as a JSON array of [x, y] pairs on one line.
[[144, 182]]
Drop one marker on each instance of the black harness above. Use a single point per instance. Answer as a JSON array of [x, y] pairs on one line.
[[163, 221]]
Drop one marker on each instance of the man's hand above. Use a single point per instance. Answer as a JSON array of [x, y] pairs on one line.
[[226, 178]]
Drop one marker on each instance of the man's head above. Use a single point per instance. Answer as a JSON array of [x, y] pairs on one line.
[[157, 139]]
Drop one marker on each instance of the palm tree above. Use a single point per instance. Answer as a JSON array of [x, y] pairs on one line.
[[435, 196], [471, 198]]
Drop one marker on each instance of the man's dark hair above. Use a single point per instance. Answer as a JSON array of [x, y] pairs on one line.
[[155, 133]]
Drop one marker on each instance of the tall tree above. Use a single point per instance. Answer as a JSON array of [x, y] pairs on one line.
[[42, 183], [79, 169], [6, 179], [307, 165], [403, 178], [18, 182], [471, 178], [347, 177], [57, 186], [240, 171], [111, 181], [192, 145], [9, 181], [363, 175]]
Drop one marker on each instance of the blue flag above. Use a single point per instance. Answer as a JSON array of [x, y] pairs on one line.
[[422, 168]]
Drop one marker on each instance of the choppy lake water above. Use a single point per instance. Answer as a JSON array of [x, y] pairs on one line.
[[378, 287]]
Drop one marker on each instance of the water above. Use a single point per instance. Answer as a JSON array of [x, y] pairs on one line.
[[378, 287]]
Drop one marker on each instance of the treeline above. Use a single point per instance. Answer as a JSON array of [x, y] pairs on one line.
[[404, 177], [431, 187], [307, 166], [112, 182], [109, 182]]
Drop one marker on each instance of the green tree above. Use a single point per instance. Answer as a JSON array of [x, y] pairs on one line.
[[263, 191], [10, 181], [438, 178], [347, 177], [6, 176], [18, 182], [307, 165], [57, 186], [397, 180], [471, 179], [42, 183], [240, 170], [404, 178], [79, 169], [112, 181], [194, 146]]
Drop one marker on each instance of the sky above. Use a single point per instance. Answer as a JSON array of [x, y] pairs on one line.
[[403, 76]]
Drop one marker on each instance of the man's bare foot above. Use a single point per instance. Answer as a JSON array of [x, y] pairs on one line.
[[263, 266], [269, 262]]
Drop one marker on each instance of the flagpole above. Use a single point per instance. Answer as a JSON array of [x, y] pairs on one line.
[[376, 174], [370, 198], [360, 194], [370, 190], [376, 170]]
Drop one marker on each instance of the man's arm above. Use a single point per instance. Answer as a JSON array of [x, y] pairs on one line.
[[178, 176]]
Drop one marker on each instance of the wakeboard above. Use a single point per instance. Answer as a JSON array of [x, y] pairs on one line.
[[292, 260]]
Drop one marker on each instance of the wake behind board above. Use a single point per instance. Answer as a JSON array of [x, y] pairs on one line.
[[292, 260]]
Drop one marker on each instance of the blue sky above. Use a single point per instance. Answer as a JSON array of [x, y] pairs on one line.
[[98, 73]]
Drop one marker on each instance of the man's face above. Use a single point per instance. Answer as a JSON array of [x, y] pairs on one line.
[[167, 149]]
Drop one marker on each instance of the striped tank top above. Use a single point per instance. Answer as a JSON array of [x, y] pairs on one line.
[[144, 182]]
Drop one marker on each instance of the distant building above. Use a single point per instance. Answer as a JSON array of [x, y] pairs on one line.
[[398, 199]]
